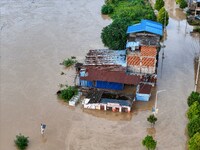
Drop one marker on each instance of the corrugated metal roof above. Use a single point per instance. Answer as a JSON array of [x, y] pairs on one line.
[[94, 74], [117, 101], [148, 26], [144, 88], [106, 57]]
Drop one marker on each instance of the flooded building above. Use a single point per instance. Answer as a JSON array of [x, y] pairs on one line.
[[113, 69], [106, 69], [143, 45], [107, 101]]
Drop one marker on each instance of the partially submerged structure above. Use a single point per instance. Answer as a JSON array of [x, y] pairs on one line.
[[113, 69], [106, 69], [107, 101]]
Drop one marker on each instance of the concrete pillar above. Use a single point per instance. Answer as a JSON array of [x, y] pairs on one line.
[[113, 109], [129, 109], [120, 109], [104, 107]]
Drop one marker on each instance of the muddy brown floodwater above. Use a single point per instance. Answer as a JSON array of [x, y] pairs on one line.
[[37, 35]]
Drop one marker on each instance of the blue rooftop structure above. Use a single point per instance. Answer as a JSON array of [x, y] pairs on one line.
[[146, 26]]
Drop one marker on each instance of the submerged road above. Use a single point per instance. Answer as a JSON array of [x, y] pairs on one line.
[[37, 35]]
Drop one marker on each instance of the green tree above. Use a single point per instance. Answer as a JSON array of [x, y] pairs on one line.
[[163, 16], [194, 142], [194, 110], [149, 142], [106, 9], [183, 4], [159, 4], [114, 35], [21, 142], [68, 93], [193, 126], [194, 96], [152, 119]]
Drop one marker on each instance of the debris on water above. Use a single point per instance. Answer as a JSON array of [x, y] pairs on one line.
[[73, 57], [61, 85], [62, 73]]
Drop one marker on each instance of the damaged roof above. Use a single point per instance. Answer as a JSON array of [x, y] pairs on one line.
[[106, 57]]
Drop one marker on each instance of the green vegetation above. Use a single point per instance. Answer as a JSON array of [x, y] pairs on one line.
[[114, 35], [194, 96], [159, 4], [194, 111], [125, 13], [194, 142], [163, 16], [21, 142], [67, 93], [106, 9], [149, 142], [182, 3], [196, 29], [193, 126], [69, 62], [152, 119]]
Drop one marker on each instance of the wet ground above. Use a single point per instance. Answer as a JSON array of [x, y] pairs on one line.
[[37, 35]]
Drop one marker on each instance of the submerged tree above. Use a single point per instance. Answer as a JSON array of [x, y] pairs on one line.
[[21, 142], [194, 96], [193, 126], [163, 16], [194, 142], [152, 119], [194, 110], [114, 35], [106, 9], [149, 142], [159, 4]]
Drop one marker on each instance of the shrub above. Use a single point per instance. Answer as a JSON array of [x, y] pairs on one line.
[[159, 4], [69, 62], [149, 142], [193, 126], [152, 119], [114, 35], [194, 142], [162, 15], [21, 142], [183, 4], [106, 9], [194, 110], [68, 93], [196, 29], [194, 96]]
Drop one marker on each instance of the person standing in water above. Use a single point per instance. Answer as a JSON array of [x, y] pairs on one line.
[[42, 128]]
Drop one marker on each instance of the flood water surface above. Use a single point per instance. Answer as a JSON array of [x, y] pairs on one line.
[[36, 36]]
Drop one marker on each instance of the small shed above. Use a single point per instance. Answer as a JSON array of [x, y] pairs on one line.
[[143, 92]]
